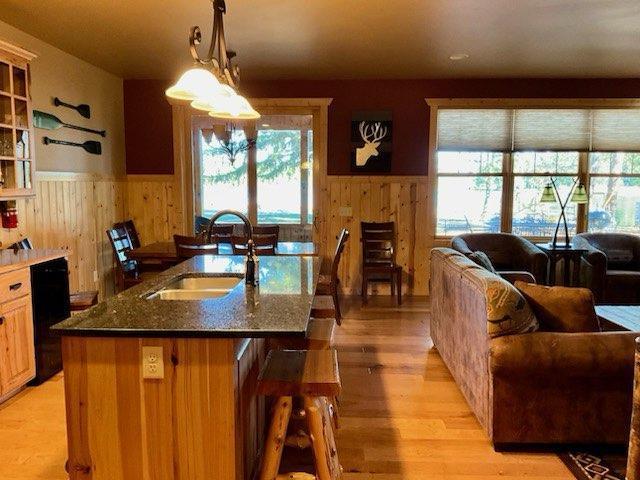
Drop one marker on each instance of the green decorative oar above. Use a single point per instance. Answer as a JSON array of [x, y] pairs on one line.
[[51, 122], [90, 146]]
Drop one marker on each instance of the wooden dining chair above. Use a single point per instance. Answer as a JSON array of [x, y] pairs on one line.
[[263, 244], [127, 270], [129, 228], [328, 284], [379, 257], [188, 247], [78, 301]]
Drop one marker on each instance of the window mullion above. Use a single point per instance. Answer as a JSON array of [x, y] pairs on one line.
[[582, 223], [304, 177], [506, 223]]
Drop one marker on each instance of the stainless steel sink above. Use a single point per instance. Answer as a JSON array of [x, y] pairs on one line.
[[196, 288]]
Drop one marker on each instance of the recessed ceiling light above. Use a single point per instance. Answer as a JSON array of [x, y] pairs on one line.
[[459, 56]]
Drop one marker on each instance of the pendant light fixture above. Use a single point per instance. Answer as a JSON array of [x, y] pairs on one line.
[[211, 84]]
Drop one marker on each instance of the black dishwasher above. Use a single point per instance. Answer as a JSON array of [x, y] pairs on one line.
[[50, 298]]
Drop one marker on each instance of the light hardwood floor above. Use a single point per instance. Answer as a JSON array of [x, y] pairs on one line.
[[402, 416]]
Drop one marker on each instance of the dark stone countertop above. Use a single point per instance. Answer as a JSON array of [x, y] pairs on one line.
[[280, 306]]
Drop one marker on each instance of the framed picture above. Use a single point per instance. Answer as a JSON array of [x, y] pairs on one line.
[[371, 142]]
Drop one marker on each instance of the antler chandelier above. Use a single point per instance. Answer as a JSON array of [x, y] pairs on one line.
[[211, 84]]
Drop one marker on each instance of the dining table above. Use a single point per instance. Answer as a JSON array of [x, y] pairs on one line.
[[165, 252]]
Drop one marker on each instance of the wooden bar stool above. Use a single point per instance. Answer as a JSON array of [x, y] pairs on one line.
[[312, 375], [323, 307], [319, 337]]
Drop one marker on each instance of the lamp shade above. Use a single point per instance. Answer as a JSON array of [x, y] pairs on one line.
[[194, 83], [235, 107], [548, 194], [580, 195]]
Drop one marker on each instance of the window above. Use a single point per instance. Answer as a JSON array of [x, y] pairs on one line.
[[469, 192], [614, 201], [530, 218], [224, 185], [493, 163], [281, 164]]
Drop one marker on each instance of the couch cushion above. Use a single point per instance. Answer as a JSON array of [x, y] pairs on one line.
[[483, 260], [561, 309], [619, 257], [507, 311]]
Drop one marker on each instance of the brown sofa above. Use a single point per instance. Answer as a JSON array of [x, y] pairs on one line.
[[540, 387], [508, 253], [611, 266]]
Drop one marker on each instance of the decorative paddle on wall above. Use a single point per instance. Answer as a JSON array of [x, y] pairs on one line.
[[51, 122], [83, 109], [90, 146]]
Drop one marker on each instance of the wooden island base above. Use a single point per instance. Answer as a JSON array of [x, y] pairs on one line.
[[202, 421]]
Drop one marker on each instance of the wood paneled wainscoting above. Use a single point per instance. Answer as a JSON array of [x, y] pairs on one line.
[[72, 211], [348, 200], [155, 205]]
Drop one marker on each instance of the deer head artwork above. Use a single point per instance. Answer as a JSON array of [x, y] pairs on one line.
[[372, 135]]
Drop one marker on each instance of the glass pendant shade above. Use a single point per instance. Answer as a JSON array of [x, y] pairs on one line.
[[209, 103], [580, 195], [548, 194], [194, 84], [235, 107]]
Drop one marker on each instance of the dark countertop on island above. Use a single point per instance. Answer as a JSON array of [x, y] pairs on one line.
[[280, 306]]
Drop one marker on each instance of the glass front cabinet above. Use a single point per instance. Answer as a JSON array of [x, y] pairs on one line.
[[17, 162]]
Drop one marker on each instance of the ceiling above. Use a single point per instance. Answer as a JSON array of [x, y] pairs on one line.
[[338, 39]]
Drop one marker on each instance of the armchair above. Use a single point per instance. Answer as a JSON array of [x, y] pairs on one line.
[[508, 253], [611, 266]]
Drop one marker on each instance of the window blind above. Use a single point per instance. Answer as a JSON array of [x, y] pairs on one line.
[[528, 129], [477, 129]]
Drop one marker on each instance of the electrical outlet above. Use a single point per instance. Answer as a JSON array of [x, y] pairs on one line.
[[346, 211], [95, 276], [152, 363]]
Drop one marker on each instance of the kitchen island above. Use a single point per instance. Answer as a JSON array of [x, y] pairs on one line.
[[161, 387]]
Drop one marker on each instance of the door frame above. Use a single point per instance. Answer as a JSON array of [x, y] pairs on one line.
[[184, 151]]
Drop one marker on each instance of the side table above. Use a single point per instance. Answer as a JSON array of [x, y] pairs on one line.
[[570, 254]]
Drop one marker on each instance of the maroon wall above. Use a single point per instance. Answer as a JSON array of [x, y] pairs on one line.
[[405, 98], [148, 128]]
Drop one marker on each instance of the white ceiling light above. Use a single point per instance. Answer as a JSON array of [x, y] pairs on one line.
[[211, 84], [458, 56]]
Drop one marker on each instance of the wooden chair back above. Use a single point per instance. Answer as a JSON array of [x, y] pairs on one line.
[[260, 230], [378, 243], [222, 233], [342, 242], [188, 247], [264, 244], [121, 244], [130, 229], [200, 225], [24, 244]]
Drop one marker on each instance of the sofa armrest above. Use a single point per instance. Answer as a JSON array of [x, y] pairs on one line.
[[534, 260], [513, 277], [458, 243], [564, 355]]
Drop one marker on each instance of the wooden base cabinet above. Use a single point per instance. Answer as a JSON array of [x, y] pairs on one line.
[[201, 421], [17, 356]]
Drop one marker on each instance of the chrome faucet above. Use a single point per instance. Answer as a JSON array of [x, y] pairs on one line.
[[251, 267]]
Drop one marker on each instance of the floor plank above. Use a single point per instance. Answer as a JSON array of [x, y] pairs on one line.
[[402, 416]]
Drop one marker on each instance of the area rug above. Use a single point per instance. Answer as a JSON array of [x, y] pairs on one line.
[[595, 465]]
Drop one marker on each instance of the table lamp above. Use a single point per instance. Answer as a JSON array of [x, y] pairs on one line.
[[550, 194]]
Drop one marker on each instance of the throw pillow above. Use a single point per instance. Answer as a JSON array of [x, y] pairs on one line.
[[507, 311], [483, 260], [561, 309]]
